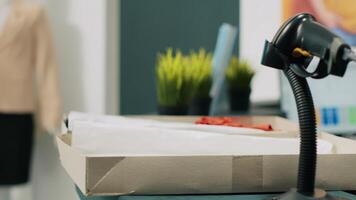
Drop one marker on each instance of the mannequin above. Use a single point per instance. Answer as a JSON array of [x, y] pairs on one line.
[[13, 192], [4, 10], [28, 88]]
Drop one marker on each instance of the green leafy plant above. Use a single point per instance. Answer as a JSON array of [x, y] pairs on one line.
[[180, 77], [239, 74], [202, 70], [175, 85]]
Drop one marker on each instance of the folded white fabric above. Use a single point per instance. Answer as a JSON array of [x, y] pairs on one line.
[[74, 117], [126, 139]]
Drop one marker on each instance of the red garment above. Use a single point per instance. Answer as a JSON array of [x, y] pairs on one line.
[[231, 121]]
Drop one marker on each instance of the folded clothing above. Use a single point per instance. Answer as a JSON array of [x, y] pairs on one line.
[[117, 135], [231, 121], [125, 140]]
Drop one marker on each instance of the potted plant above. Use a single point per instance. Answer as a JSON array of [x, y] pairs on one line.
[[202, 79], [239, 75], [174, 83]]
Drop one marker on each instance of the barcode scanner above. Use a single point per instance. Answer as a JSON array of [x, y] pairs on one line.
[[297, 42]]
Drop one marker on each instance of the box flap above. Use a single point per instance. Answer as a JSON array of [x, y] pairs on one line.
[[247, 174], [99, 168], [72, 160], [336, 172], [280, 172], [165, 175]]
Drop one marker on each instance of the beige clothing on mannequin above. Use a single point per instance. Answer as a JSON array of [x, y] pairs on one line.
[[28, 71]]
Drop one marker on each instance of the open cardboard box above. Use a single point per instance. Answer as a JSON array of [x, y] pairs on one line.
[[203, 174]]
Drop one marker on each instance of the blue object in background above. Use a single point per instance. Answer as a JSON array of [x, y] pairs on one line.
[[221, 59], [330, 116], [335, 116], [325, 116]]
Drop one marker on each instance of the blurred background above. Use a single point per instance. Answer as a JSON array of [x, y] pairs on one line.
[[107, 57]]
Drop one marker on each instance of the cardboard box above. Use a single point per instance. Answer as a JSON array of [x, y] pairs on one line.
[[144, 175]]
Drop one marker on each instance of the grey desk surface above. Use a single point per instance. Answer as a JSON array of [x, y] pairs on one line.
[[202, 197]]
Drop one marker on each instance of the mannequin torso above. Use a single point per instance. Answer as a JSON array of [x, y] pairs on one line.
[[14, 185]]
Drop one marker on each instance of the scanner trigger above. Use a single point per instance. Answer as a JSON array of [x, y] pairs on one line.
[[299, 52]]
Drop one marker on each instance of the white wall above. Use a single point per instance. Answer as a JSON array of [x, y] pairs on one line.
[[86, 48], [80, 32], [259, 21]]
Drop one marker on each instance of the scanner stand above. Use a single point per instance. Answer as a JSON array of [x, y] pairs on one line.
[[319, 194]]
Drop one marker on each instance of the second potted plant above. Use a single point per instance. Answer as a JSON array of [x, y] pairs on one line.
[[202, 79], [239, 75], [174, 83]]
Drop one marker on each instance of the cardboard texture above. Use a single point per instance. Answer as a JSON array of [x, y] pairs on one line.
[[145, 175]]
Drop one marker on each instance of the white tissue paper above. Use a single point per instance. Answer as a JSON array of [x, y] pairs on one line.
[[113, 136], [73, 117]]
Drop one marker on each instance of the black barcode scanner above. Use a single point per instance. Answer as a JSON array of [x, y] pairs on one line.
[[300, 40]]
